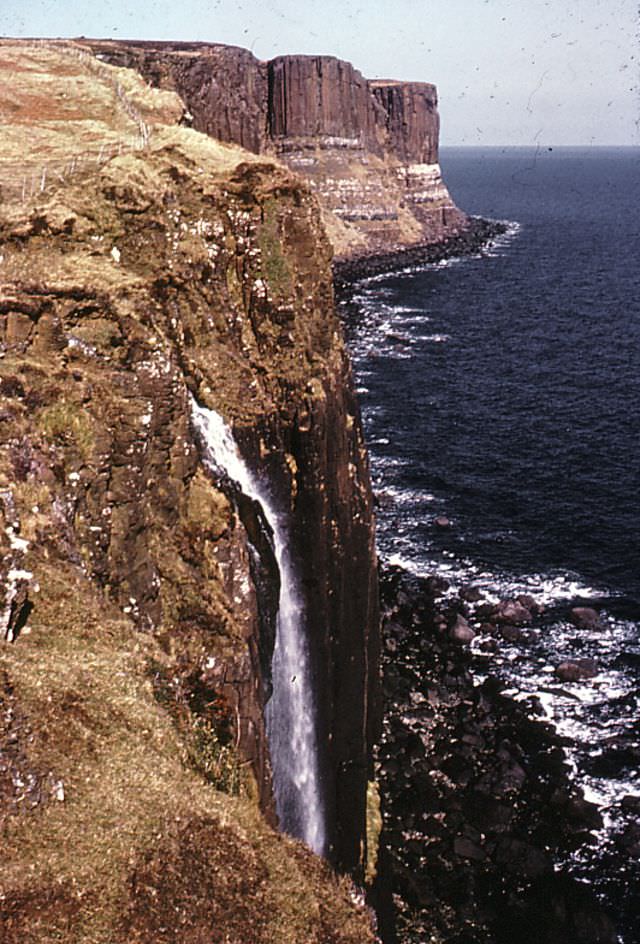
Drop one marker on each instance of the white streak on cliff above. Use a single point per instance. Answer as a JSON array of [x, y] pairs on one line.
[[290, 713]]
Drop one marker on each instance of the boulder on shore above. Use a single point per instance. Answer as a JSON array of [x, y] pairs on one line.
[[575, 670], [584, 617], [511, 611], [461, 631], [442, 522]]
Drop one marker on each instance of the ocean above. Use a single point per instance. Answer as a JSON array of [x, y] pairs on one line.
[[501, 392]]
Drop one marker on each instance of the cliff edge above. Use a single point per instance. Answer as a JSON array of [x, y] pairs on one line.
[[143, 265], [369, 149]]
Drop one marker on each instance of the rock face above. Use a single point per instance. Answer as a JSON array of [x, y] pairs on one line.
[[369, 149], [410, 110], [167, 267], [225, 88], [320, 101]]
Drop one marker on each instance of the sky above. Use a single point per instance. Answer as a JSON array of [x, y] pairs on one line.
[[509, 72]]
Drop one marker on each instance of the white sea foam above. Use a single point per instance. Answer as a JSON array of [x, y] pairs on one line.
[[401, 495]]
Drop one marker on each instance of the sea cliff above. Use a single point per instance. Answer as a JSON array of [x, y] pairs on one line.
[[142, 265], [368, 149], [172, 217]]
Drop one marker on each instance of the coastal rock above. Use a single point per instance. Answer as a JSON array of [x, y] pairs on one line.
[[486, 797], [511, 633], [530, 603], [575, 670], [558, 910], [436, 585], [584, 617], [461, 631], [522, 858], [630, 839], [631, 803], [510, 612]]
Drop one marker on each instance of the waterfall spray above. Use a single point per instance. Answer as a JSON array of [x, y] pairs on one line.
[[290, 713]]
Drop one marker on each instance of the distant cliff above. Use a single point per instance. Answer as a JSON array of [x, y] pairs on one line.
[[368, 148]]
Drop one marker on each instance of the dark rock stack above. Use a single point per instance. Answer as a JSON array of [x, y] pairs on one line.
[[479, 807]]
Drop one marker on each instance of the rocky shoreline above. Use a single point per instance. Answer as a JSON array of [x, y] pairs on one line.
[[479, 807], [470, 240]]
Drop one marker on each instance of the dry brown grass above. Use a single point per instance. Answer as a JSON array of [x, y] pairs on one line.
[[68, 113]]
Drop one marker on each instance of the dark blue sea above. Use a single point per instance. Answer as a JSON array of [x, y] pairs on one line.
[[503, 391]]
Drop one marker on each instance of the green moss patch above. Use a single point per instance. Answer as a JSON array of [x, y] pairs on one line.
[[67, 424], [275, 268]]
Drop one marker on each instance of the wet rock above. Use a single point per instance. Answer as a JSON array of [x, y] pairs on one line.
[[485, 611], [487, 629], [582, 813], [461, 632], [522, 858], [575, 670], [511, 633], [530, 603], [630, 839], [556, 910], [442, 522], [620, 755], [584, 617], [471, 594], [436, 585], [486, 799], [631, 803], [511, 611], [467, 849], [489, 645]]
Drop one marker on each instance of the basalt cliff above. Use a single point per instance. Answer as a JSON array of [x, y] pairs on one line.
[[143, 266], [368, 149]]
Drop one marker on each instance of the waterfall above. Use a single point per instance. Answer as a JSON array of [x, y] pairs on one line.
[[290, 712]]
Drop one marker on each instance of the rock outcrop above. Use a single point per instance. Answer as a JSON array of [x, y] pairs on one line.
[[147, 265], [369, 149]]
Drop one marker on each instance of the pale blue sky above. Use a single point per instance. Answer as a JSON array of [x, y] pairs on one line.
[[548, 72]]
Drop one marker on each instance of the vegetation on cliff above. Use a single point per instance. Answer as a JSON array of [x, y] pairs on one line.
[[144, 263]]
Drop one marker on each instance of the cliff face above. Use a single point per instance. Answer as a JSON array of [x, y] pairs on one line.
[[410, 111], [320, 101], [225, 88], [369, 149], [142, 264]]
